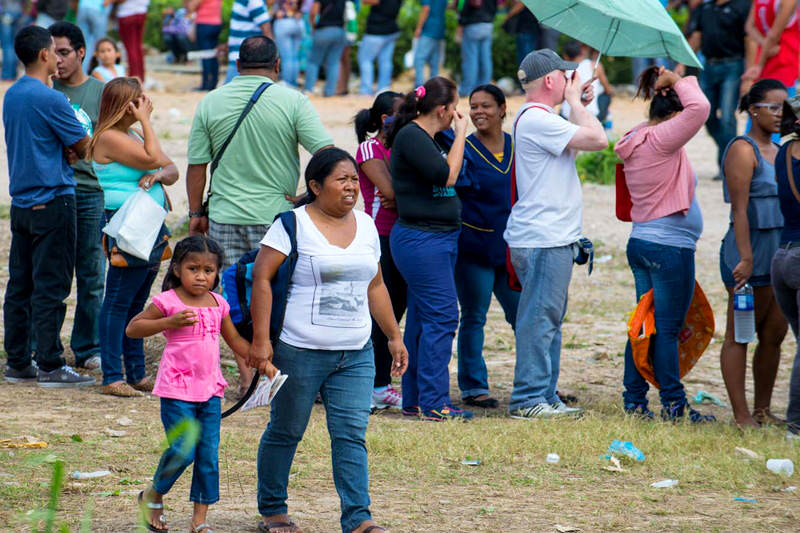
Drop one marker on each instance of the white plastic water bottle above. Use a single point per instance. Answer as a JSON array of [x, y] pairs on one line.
[[744, 320], [783, 467]]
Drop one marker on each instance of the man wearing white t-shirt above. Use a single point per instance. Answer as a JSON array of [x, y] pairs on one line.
[[545, 223]]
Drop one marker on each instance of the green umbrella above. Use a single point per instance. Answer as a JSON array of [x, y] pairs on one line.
[[626, 28]]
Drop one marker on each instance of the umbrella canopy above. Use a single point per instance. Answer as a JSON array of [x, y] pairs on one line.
[[626, 28]]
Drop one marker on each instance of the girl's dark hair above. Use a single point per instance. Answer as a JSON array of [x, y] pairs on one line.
[[492, 90], [191, 245], [662, 105], [94, 62], [758, 92], [320, 167], [789, 123], [369, 120], [438, 91]]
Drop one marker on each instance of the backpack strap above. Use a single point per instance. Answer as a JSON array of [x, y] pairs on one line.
[[215, 162], [514, 144], [289, 221], [789, 173]]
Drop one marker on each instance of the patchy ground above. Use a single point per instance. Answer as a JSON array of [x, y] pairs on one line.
[[418, 480]]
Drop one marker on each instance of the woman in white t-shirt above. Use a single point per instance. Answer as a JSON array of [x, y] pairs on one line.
[[325, 344]]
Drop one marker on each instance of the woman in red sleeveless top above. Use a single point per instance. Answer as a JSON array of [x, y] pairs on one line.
[[773, 26]]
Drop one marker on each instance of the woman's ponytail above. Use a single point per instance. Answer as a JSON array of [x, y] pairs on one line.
[[421, 101], [369, 120]]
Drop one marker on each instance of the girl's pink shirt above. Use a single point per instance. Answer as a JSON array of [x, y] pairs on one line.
[[189, 368], [658, 172]]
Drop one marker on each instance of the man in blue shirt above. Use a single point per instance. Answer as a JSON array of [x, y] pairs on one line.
[[42, 138], [430, 37]]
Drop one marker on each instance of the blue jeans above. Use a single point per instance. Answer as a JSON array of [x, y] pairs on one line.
[[380, 47], [204, 455], [231, 72], [475, 284], [669, 271], [288, 37], [526, 43], [428, 52], [10, 24], [427, 261], [127, 290], [545, 274], [720, 83], [90, 264], [94, 25], [476, 56], [326, 50], [344, 380], [207, 39]]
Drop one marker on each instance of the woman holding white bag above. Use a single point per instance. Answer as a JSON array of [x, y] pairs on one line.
[[126, 160]]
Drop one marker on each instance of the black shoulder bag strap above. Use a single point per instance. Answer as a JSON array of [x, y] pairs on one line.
[[289, 221], [215, 162]]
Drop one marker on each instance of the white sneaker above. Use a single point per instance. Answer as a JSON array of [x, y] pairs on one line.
[[93, 363], [540, 410], [563, 410], [391, 398]]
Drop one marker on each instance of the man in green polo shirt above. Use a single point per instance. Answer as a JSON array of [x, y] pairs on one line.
[[260, 168]]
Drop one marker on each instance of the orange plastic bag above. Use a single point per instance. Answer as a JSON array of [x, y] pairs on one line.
[[693, 339]]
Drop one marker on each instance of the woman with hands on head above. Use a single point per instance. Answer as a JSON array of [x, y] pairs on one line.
[[748, 247], [324, 346], [667, 222], [127, 159], [424, 241]]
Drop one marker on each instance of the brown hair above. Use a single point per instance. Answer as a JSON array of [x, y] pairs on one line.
[[438, 91], [117, 94]]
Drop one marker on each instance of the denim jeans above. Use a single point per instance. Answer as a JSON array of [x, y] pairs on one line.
[[41, 262], [786, 284], [669, 271], [288, 37], [397, 289], [178, 44], [475, 284], [428, 53], [427, 261], [127, 290], [204, 455], [344, 380], [380, 47], [10, 24], [545, 274], [90, 264], [476, 56], [208, 39], [526, 43], [328, 43], [720, 83], [231, 71], [94, 25]]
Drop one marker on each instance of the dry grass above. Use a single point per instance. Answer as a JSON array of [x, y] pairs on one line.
[[417, 480]]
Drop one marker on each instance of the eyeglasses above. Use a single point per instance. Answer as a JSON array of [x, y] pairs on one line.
[[65, 52], [775, 109]]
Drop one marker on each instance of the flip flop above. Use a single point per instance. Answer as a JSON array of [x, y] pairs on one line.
[[153, 505], [204, 527], [269, 526]]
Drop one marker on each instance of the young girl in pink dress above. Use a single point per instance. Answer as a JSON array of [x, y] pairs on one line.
[[189, 379]]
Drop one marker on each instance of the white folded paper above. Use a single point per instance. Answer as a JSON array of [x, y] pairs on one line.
[[265, 391]]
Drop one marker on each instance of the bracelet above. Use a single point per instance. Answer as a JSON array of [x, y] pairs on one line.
[[195, 214]]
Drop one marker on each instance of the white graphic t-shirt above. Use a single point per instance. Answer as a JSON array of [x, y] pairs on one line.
[[327, 307]]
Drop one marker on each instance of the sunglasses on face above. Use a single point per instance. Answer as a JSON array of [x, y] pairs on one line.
[[775, 109]]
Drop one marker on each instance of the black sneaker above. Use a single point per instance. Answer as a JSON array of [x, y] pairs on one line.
[[63, 378], [639, 410], [677, 411], [29, 373]]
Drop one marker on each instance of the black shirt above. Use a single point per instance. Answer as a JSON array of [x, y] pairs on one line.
[[476, 11], [382, 18], [722, 27], [331, 13], [419, 176], [527, 22]]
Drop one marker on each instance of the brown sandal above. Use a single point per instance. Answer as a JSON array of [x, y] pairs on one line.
[[122, 390], [145, 385], [370, 529]]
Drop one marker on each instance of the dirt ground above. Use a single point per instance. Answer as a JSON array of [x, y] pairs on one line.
[[415, 486]]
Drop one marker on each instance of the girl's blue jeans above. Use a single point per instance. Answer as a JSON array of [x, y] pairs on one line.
[[204, 454]]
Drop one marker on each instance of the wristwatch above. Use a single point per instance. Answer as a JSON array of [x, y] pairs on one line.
[[195, 214]]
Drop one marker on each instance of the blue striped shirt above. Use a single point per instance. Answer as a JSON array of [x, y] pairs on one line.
[[247, 18]]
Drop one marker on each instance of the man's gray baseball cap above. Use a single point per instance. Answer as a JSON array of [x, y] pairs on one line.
[[540, 63]]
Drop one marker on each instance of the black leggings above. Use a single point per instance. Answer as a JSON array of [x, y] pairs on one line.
[[396, 286]]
